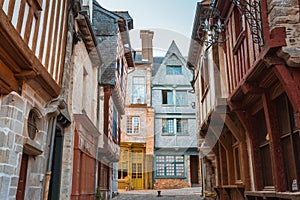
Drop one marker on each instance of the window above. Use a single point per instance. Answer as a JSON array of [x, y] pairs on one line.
[[181, 98], [32, 124], [123, 165], [238, 22], [170, 166], [264, 148], [169, 124], [115, 123], [289, 139], [182, 126], [237, 164], [174, 97], [133, 125], [138, 90], [167, 97], [174, 70]]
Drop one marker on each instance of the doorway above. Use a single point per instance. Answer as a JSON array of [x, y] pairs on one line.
[[137, 170], [194, 167], [54, 189]]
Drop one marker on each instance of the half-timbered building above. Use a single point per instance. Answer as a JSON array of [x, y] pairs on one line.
[[253, 129]]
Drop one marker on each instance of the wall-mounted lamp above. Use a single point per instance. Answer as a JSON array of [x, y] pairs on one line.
[[211, 26]]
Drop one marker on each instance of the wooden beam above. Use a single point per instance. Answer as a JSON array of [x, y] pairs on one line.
[[290, 83], [252, 88], [247, 120], [239, 135], [276, 150]]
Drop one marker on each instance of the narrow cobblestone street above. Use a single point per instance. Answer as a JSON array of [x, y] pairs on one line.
[[186, 193]]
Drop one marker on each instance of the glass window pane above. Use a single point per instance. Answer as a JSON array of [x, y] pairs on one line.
[[168, 126], [133, 125], [182, 126], [181, 98], [174, 70], [167, 97], [138, 90]]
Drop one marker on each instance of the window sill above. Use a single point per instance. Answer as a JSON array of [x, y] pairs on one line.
[[168, 134], [133, 134], [182, 134], [170, 177]]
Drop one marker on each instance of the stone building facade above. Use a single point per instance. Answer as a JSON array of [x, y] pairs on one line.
[[137, 138], [176, 157], [253, 131], [33, 116], [111, 32]]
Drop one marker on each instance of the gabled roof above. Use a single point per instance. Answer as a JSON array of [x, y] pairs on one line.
[[172, 57]]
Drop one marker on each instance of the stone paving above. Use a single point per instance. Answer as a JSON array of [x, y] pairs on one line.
[[182, 194]]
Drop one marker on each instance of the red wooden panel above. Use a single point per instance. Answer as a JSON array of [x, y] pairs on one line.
[[22, 178]]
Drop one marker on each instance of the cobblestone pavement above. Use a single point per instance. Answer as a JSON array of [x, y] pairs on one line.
[[174, 194]]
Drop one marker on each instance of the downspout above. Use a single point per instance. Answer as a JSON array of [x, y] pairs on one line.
[[52, 129]]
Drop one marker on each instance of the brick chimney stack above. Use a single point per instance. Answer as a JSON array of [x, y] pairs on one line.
[[147, 46]]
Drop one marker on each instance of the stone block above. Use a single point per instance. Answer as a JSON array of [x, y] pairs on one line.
[[13, 158], [34, 193], [10, 140], [3, 139], [4, 189], [18, 148], [34, 179], [13, 99], [18, 139], [17, 126], [10, 170], [4, 156], [14, 181], [5, 122], [12, 192]]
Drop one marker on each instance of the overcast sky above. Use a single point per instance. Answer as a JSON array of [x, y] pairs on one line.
[[169, 19]]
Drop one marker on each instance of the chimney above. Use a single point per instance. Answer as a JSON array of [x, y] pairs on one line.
[[147, 47]]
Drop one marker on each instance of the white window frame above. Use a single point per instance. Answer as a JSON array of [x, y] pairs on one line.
[[131, 125]]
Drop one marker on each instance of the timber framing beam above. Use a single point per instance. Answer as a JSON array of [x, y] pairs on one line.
[[290, 82]]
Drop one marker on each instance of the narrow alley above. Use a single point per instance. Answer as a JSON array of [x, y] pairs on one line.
[[185, 193]]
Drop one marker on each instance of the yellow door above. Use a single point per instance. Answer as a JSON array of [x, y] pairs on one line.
[[137, 169]]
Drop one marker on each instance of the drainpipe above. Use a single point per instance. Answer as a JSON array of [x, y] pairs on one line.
[[52, 129]]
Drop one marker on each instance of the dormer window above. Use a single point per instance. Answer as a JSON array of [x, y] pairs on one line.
[[174, 70]]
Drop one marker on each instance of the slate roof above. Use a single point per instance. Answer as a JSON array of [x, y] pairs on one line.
[[105, 26], [126, 16], [157, 61]]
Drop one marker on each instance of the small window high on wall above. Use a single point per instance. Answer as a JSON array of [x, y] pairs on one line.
[[138, 90], [174, 70]]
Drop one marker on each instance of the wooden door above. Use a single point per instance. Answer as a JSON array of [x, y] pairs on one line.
[[137, 169], [194, 167], [22, 178]]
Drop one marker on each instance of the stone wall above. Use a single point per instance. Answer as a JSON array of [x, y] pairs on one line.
[[170, 183], [286, 14], [14, 142], [11, 143]]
